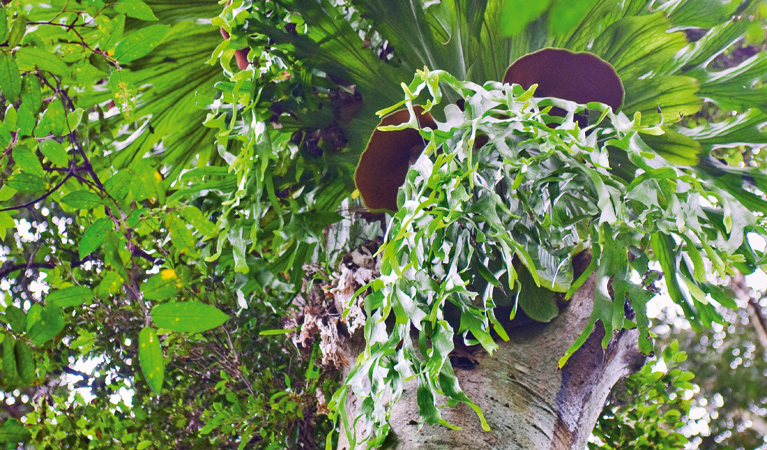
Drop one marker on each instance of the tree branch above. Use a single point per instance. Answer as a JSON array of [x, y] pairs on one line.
[[5, 271]]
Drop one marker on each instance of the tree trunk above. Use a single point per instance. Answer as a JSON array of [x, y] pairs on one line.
[[528, 402]]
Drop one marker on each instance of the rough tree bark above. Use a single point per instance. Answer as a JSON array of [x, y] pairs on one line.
[[528, 402]]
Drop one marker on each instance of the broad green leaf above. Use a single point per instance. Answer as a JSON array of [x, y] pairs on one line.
[[110, 284], [70, 296], [111, 29], [162, 285], [675, 147], [12, 432], [30, 94], [3, 25], [666, 98], [517, 14], [738, 88], [136, 9], [190, 317], [150, 358], [10, 370], [743, 129], [698, 13], [26, 121], [565, 15], [82, 200], [199, 222], [25, 364], [27, 160], [50, 324], [74, 118], [94, 236], [55, 152], [54, 120], [30, 58], [140, 43], [146, 182], [637, 45], [24, 182], [661, 246], [33, 315], [537, 302], [6, 223], [18, 30], [10, 77], [181, 236], [16, 319]]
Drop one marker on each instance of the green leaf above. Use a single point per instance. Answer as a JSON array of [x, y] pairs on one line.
[[140, 43], [50, 324], [94, 236], [637, 45], [18, 30], [82, 200], [27, 120], [112, 31], [181, 236], [150, 358], [12, 432], [675, 147], [16, 319], [27, 160], [30, 94], [199, 222], [161, 286], [74, 118], [743, 129], [517, 14], [10, 77], [110, 284], [6, 223], [190, 317], [537, 302], [55, 152], [25, 364], [565, 15], [3, 25], [24, 182], [136, 9], [54, 120], [10, 370], [30, 58], [70, 296], [33, 315]]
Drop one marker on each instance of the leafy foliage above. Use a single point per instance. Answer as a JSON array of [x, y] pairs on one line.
[[162, 212], [648, 410]]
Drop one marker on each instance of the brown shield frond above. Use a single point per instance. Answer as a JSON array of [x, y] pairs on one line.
[[384, 163], [578, 77]]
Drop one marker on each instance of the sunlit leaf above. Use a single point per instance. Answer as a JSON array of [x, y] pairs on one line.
[[94, 236], [50, 324], [82, 200], [140, 42], [70, 296], [151, 359], [190, 317], [10, 77]]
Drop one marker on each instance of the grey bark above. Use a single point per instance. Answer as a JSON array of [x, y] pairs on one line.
[[528, 402]]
